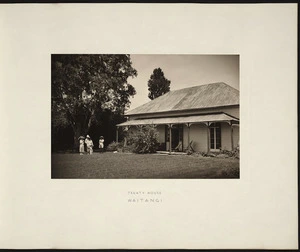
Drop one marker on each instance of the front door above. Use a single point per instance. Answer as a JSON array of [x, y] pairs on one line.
[[177, 137]]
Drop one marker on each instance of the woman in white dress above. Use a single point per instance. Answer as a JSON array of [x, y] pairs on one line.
[[101, 144], [81, 145], [89, 145]]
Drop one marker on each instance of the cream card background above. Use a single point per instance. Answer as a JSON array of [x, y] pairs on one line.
[[257, 211]]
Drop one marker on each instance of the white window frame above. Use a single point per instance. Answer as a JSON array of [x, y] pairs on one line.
[[214, 137]]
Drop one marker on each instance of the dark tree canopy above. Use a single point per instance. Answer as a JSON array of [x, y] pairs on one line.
[[86, 86], [158, 84]]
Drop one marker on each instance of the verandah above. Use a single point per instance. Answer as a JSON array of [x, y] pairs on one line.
[[188, 121]]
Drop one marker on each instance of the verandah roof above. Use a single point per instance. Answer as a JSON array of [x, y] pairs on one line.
[[181, 120]]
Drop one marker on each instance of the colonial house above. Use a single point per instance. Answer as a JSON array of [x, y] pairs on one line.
[[202, 118]]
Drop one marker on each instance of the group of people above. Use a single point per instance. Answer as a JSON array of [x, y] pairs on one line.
[[89, 144]]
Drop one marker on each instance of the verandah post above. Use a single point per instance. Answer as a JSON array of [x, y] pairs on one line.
[[188, 125], [208, 138], [231, 132], [125, 138], [170, 133]]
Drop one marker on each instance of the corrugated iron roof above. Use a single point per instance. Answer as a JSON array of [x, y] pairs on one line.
[[198, 97], [180, 120]]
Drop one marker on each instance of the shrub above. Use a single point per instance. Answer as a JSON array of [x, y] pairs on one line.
[[127, 149], [235, 153], [113, 146], [144, 139], [204, 154], [189, 152]]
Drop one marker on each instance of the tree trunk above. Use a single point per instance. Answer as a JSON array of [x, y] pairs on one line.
[[77, 134], [90, 120]]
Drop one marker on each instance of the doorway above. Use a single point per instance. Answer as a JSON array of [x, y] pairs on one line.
[[177, 137]]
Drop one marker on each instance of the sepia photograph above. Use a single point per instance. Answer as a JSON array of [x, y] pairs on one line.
[[138, 113], [145, 116]]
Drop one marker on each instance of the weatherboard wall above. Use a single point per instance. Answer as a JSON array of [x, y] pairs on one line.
[[161, 132]]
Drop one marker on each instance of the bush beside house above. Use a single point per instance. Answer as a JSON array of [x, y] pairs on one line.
[[144, 139], [114, 146]]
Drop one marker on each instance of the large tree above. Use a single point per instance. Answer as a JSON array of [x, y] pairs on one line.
[[158, 84], [85, 86]]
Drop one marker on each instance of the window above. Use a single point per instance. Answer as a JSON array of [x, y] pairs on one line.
[[215, 136]]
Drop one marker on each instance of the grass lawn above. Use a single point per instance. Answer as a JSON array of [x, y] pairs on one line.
[[110, 165]]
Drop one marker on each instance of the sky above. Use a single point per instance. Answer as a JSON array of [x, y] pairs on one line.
[[183, 71]]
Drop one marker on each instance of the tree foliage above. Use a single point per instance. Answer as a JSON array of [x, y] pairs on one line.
[[85, 86], [158, 84]]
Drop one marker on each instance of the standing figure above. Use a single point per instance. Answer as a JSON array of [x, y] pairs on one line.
[[81, 145], [101, 143], [89, 145]]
